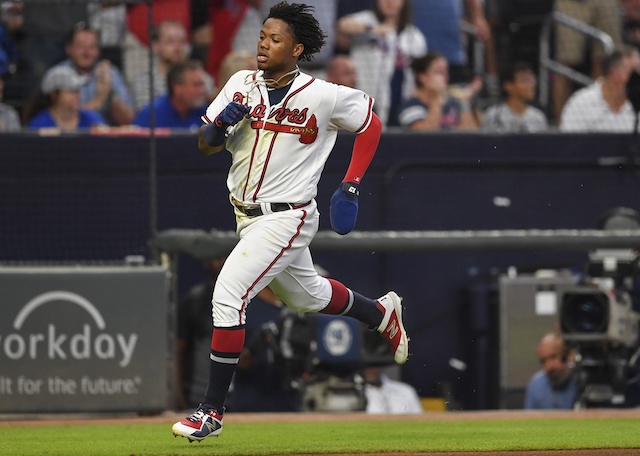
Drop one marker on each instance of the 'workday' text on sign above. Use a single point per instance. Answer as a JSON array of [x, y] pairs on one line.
[[83, 339]]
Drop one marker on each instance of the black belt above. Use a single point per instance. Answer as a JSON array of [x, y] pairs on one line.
[[275, 207]]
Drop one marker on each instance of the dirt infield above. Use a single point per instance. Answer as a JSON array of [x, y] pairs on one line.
[[170, 417]]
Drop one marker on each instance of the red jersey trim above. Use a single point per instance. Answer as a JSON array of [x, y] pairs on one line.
[[368, 119]]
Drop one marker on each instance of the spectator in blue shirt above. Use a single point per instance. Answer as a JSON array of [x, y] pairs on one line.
[[187, 99], [554, 386], [57, 103]]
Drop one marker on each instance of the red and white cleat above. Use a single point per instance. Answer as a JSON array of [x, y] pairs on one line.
[[392, 327], [201, 424]]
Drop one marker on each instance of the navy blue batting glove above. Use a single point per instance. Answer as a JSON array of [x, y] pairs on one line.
[[343, 210], [231, 115], [214, 133]]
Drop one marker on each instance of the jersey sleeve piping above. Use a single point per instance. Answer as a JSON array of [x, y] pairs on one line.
[[367, 121]]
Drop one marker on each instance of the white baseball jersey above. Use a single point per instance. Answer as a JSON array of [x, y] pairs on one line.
[[279, 151]]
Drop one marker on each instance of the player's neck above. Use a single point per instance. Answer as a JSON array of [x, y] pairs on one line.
[[281, 80]]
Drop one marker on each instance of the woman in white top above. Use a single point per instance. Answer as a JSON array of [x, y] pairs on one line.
[[383, 43]]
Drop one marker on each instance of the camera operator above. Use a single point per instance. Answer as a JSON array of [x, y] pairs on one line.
[[554, 386]]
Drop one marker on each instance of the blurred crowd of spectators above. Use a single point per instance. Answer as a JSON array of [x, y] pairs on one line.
[[70, 65]]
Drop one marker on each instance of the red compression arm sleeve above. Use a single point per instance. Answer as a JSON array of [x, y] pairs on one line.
[[364, 148]]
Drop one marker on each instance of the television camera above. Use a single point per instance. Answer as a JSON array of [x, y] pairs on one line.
[[600, 320]]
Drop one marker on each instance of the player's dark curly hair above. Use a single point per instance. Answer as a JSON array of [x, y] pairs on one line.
[[303, 25]]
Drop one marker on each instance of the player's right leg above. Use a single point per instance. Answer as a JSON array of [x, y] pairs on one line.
[[301, 288]]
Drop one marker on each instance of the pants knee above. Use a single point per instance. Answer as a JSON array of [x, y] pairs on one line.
[[311, 299], [227, 311]]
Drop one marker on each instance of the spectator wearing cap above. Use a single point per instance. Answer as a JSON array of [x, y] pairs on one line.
[[57, 103]]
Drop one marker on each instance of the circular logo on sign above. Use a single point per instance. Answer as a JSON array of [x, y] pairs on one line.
[[337, 337]]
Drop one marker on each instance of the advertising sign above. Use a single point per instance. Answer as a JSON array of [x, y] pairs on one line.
[[90, 339]]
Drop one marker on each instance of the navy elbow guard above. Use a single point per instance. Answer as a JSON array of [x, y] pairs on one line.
[[343, 211]]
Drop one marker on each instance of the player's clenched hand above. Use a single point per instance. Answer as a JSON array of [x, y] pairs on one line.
[[343, 211], [214, 133], [231, 115]]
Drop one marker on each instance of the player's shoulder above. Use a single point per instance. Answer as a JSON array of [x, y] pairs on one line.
[[341, 90], [318, 85]]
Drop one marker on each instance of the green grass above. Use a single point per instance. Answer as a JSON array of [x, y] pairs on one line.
[[324, 437]]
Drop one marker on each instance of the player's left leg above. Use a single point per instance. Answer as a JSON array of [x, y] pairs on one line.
[[301, 288], [267, 245]]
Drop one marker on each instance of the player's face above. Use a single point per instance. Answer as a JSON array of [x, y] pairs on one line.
[[278, 50]]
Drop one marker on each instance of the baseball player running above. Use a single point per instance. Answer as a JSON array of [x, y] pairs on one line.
[[280, 126]]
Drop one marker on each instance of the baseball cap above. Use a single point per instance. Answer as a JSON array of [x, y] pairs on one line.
[[62, 78]]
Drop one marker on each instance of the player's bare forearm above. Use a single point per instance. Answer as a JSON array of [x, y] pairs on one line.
[[205, 148]]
